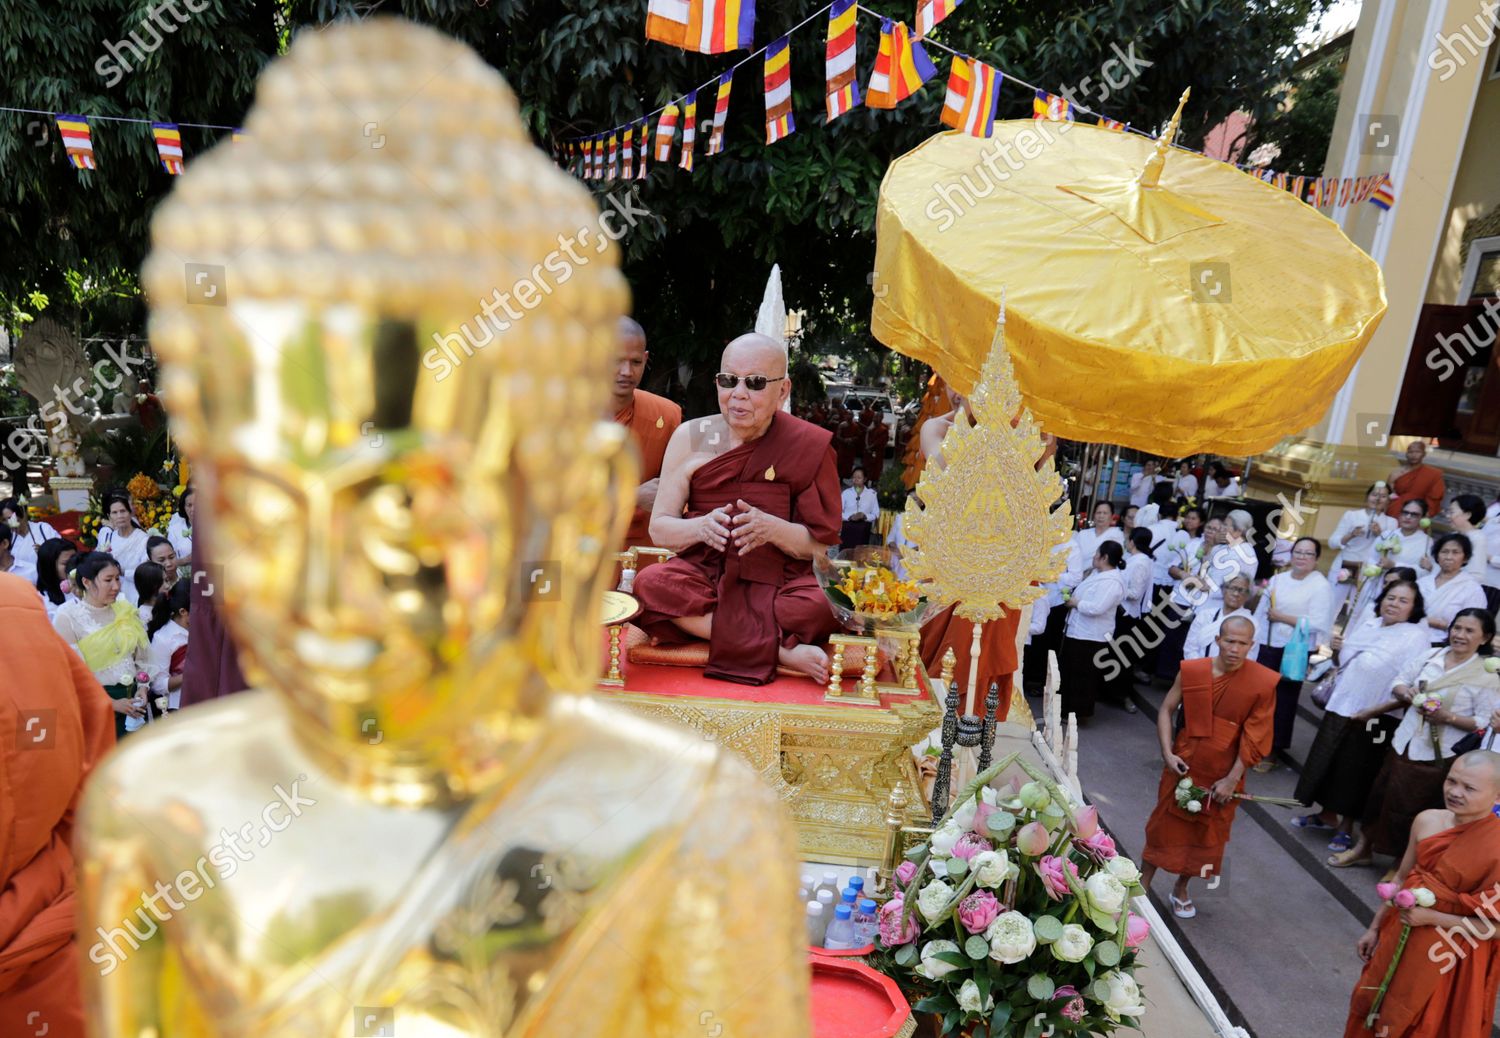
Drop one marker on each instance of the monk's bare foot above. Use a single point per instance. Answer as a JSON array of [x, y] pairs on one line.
[[806, 659]]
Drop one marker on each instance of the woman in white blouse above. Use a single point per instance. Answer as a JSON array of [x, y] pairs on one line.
[[1447, 693], [1451, 589], [54, 561], [108, 634], [1356, 535], [1090, 625], [1183, 561], [168, 631], [122, 537], [1466, 515], [1136, 602], [1186, 484], [1300, 593], [1203, 633], [1350, 746], [180, 528]]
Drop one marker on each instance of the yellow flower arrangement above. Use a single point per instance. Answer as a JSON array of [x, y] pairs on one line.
[[878, 591], [143, 488]]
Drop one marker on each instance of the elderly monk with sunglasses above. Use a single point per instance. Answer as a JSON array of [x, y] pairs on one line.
[[747, 498]]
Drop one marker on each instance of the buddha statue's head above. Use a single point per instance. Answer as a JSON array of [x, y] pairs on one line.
[[391, 378]]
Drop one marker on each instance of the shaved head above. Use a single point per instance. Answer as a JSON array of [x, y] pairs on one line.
[[631, 331], [1482, 762], [756, 349], [1246, 625]]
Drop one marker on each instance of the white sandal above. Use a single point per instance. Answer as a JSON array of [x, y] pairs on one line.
[[1183, 909]]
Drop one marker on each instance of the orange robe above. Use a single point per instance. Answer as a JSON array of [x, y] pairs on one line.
[[1224, 717], [1424, 482], [651, 419], [934, 403], [765, 600], [50, 698], [1443, 988], [997, 655]]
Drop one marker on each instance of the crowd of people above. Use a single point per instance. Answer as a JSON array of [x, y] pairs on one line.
[[123, 605]]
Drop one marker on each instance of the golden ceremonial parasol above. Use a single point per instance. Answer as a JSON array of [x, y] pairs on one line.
[[1158, 299]]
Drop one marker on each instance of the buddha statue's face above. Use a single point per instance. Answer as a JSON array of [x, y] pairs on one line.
[[398, 573]]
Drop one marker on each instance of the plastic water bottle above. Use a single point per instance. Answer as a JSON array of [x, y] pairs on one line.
[[840, 936], [866, 923], [849, 897], [826, 899], [831, 884], [858, 883], [817, 924]]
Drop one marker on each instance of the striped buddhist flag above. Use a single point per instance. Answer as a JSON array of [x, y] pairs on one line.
[[612, 163], [642, 133], [666, 129], [689, 130], [1297, 189], [1110, 124], [238, 136], [1280, 182], [1385, 194], [984, 98], [705, 26], [1051, 107], [76, 140], [721, 111], [168, 146], [960, 81], [843, 91], [598, 163], [1346, 190], [779, 119], [930, 12], [629, 172], [900, 68]]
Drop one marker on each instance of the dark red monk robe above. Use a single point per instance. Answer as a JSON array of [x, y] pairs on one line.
[[765, 600], [1443, 987], [1224, 718]]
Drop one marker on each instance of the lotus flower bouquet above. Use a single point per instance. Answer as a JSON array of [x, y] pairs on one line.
[[1400, 900], [1013, 919]]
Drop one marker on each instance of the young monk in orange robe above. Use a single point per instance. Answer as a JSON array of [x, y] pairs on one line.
[[1445, 984], [63, 725], [1229, 707], [651, 419]]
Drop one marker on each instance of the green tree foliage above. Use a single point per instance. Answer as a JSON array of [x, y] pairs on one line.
[[1304, 126], [698, 265]]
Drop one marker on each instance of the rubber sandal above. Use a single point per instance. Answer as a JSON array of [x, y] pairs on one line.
[[1309, 822], [1341, 843], [1346, 860], [1183, 909]]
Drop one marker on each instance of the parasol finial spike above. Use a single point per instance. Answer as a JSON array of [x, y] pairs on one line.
[[1158, 160]]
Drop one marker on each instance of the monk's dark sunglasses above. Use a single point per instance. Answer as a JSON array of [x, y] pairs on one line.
[[754, 383]]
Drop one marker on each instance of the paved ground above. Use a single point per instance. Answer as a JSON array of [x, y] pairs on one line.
[[1275, 936]]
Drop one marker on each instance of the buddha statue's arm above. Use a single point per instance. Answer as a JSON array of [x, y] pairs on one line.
[[119, 935], [732, 941]]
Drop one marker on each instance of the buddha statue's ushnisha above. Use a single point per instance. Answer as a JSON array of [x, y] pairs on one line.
[[415, 824]]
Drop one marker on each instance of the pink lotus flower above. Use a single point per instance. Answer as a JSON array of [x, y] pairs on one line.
[[1136, 931], [905, 873], [65, 586], [982, 818], [969, 845], [1075, 1010], [1101, 845], [1086, 822], [1050, 868], [892, 933], [1386, 891], [1404, 899], [977, 911], [1033, 839], [1066, 991]]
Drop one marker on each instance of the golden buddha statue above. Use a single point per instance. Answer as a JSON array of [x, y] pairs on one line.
[[416, 824]]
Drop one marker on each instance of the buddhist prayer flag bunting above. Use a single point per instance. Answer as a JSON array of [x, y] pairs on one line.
[[779, 119], [666, 129], [705, 26], [978, 118], [629, 172], [76, 140], [238, 136], [930, 12], [1051, 107], [168, 146], [1280, 182], [959, 82], [1298, 183], [689, 130], [1346, 191], [900, 68], [1110, 124], [599, 157], [612, 164], [1385, 194], [642, 131], [843, 91], [721, 110]]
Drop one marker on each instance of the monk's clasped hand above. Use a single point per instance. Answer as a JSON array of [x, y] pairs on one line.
[[1223, 790], [752, 527], [714, 529]]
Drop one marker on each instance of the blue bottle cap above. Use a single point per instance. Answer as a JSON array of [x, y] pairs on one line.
[[857, 882], [850, 895], [843, 912], [866, 906]]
